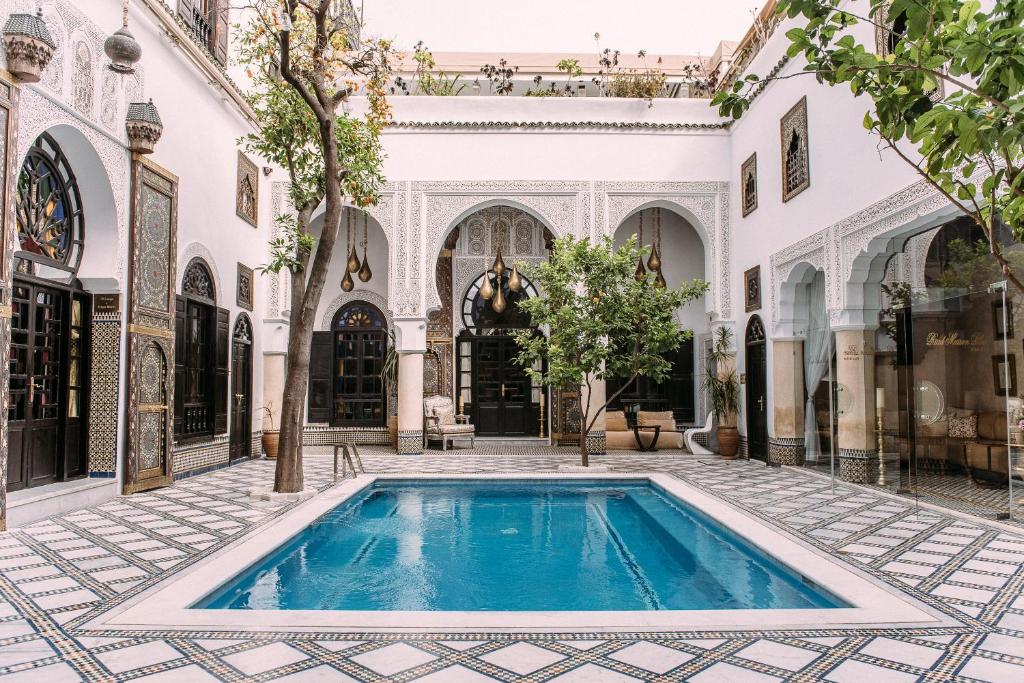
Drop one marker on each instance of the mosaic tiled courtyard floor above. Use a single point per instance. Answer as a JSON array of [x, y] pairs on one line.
[[60, 573]]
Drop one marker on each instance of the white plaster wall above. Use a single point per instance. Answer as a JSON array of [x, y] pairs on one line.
[[378, 254]]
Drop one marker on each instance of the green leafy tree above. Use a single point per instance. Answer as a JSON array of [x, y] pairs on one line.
[[602, 322], [306, 58], [949, 82]]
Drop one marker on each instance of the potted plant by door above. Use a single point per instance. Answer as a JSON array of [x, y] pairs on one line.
[[724, 391], [389, 375], [271, 438]]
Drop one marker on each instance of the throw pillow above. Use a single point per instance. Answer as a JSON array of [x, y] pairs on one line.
[[963, 427]]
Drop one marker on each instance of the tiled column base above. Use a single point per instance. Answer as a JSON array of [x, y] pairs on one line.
[[858, 467], [597, 443], [786, 451], [410, 443]]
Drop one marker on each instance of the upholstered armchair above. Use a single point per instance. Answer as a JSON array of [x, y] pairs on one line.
[[441, 423]]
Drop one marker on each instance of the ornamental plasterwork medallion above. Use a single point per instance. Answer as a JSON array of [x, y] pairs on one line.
[[247, 190], [796, 175], [748, 185]]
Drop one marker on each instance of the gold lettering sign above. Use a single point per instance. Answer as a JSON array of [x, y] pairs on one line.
[[953, 339], [853, 352]]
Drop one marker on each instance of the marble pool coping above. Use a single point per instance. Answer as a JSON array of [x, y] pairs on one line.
[[166, 606]]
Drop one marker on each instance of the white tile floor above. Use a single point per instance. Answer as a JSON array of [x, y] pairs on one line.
[[59, 573]]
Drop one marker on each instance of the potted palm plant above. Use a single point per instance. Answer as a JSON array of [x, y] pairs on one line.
[[724, 391], [389, 375]]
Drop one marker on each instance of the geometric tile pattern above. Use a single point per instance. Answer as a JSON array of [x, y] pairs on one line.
[[61, 572], [103, 379]]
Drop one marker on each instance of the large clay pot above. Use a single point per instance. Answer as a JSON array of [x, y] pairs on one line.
[[393, 431], [271, 440], [728, 442]]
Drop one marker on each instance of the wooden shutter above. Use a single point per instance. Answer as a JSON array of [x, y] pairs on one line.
[[221, 31], [320, 377], [179, 366], [220, 376], [186, 10]]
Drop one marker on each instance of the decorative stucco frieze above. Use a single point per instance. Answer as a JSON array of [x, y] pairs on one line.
[[196, 249], [344, 298]]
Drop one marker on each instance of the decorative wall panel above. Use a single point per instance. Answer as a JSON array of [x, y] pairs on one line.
[[244, 287], [796, 175], [247, 190], [752, 289], [153, 246], [104, 366], [748, 185], [8, 158]]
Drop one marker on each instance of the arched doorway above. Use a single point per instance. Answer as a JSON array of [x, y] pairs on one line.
[[200, 364], [496, 392], [675, 250], [345, 384], [241, 389], [757, 389], [50, 314]]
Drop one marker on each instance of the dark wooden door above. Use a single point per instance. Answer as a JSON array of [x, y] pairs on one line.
[[241, 396], [358, 386], [36, 408], [502, 404], [757, 392]]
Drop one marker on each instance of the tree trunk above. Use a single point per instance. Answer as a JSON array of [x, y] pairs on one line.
[[305, 300], [584, 453]]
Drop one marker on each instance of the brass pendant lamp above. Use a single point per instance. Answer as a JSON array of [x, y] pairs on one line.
[[346, 280], [640, 273], [654, 263], [364, 271], [353, 259]]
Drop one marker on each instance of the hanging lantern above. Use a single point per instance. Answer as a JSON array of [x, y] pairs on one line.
[[486, 290], [499, 265], [122, 48], [143, 126], [640, 273], [364, 272], [654, 262], [353, 260], [29, 46], [346, 282], [515, 282], [660, 280], [498, 304]]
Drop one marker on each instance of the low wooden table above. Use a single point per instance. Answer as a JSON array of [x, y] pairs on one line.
[[654, 442]]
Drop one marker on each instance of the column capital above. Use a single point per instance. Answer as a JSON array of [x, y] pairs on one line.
[[410, 335]]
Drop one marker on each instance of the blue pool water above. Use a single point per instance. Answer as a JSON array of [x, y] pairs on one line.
[[516, 545]]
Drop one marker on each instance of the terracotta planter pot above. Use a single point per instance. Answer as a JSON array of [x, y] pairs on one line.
[[271, 440], [728, 442]]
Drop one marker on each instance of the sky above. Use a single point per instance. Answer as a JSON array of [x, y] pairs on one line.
[[658, 26]]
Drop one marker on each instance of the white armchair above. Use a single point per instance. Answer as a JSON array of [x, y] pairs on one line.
[[690, 434], [441, 423]]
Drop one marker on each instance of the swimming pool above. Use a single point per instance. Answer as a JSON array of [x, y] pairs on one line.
[[473, 545]]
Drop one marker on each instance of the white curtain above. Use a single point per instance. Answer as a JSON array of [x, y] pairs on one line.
[[816, 360]]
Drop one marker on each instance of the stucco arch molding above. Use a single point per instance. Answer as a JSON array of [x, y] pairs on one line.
[[704, 204]]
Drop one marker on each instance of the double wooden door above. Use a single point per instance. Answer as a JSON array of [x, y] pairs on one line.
[[502, 402], [47, 385]]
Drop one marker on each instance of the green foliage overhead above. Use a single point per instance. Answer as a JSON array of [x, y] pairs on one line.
[[950, 85], [602, 322]]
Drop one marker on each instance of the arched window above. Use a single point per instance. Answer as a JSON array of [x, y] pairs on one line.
[[200, 357], [49, 210], [479, 316], [346, 387]]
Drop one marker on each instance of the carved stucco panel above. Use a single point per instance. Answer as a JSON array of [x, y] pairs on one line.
[[809, 250], [558, 210]]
